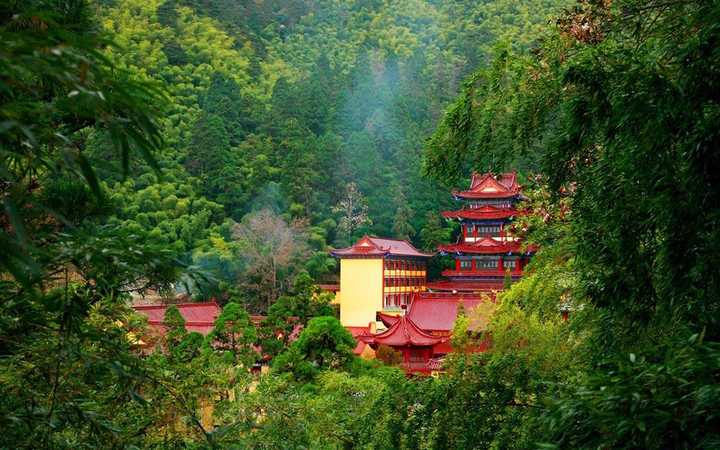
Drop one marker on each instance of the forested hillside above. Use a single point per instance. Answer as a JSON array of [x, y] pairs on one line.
[[219, 148], [315, 111]]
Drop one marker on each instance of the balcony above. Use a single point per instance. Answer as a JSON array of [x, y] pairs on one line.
[[480, 273]]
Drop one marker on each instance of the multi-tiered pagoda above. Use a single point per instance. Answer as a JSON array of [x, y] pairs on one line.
[[486, 253], [420, 324]]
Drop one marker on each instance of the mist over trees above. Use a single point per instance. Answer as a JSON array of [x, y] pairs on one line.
[[287, 105]]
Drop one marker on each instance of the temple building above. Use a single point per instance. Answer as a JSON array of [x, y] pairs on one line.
[[486, 252], [385, 298], [422, 335], [378, 275]]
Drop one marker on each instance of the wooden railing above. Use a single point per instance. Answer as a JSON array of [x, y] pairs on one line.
[[479, 272]]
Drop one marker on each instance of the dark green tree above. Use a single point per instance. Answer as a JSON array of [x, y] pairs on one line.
[[323, 344], [234, 334], [209, 147], [402, 228], [174, 324], [433, 233], [617, 108]]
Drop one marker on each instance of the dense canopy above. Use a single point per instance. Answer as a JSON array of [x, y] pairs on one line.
[[216, 150]]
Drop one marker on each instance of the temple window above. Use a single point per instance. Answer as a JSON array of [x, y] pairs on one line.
[[486, 263], [491, 230], [416, 355], [465, 264], [509, 264], [498, 203]]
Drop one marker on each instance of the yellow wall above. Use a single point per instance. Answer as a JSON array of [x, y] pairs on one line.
[[361, 290]]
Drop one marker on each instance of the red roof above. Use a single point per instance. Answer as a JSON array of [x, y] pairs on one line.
[[485, 212], [438, 311], [486, 245], [402, 333], [372, 247], [198, 317], [356, 332], [487, 185], [467, 285], [388, 319]]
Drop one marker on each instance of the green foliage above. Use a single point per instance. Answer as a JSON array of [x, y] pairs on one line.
[[56, 85], [175, 327], [615, 108], [460, 333], [293, 310], [170, 213], [433, 233], [356, 401], [402, 228], [323, 344], [55, 346], [273, 113], [661, 398], [235, 334], [308, 98]]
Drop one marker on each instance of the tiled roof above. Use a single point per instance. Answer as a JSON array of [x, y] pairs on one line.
[[487, 185], [468, 285], [485, 212], [388, 319], [402, 333], [372, 247], [199, 317], [356, 332], [486, 246], [438, 311]]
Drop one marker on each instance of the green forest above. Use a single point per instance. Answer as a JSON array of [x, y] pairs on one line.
[[219, 149]]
